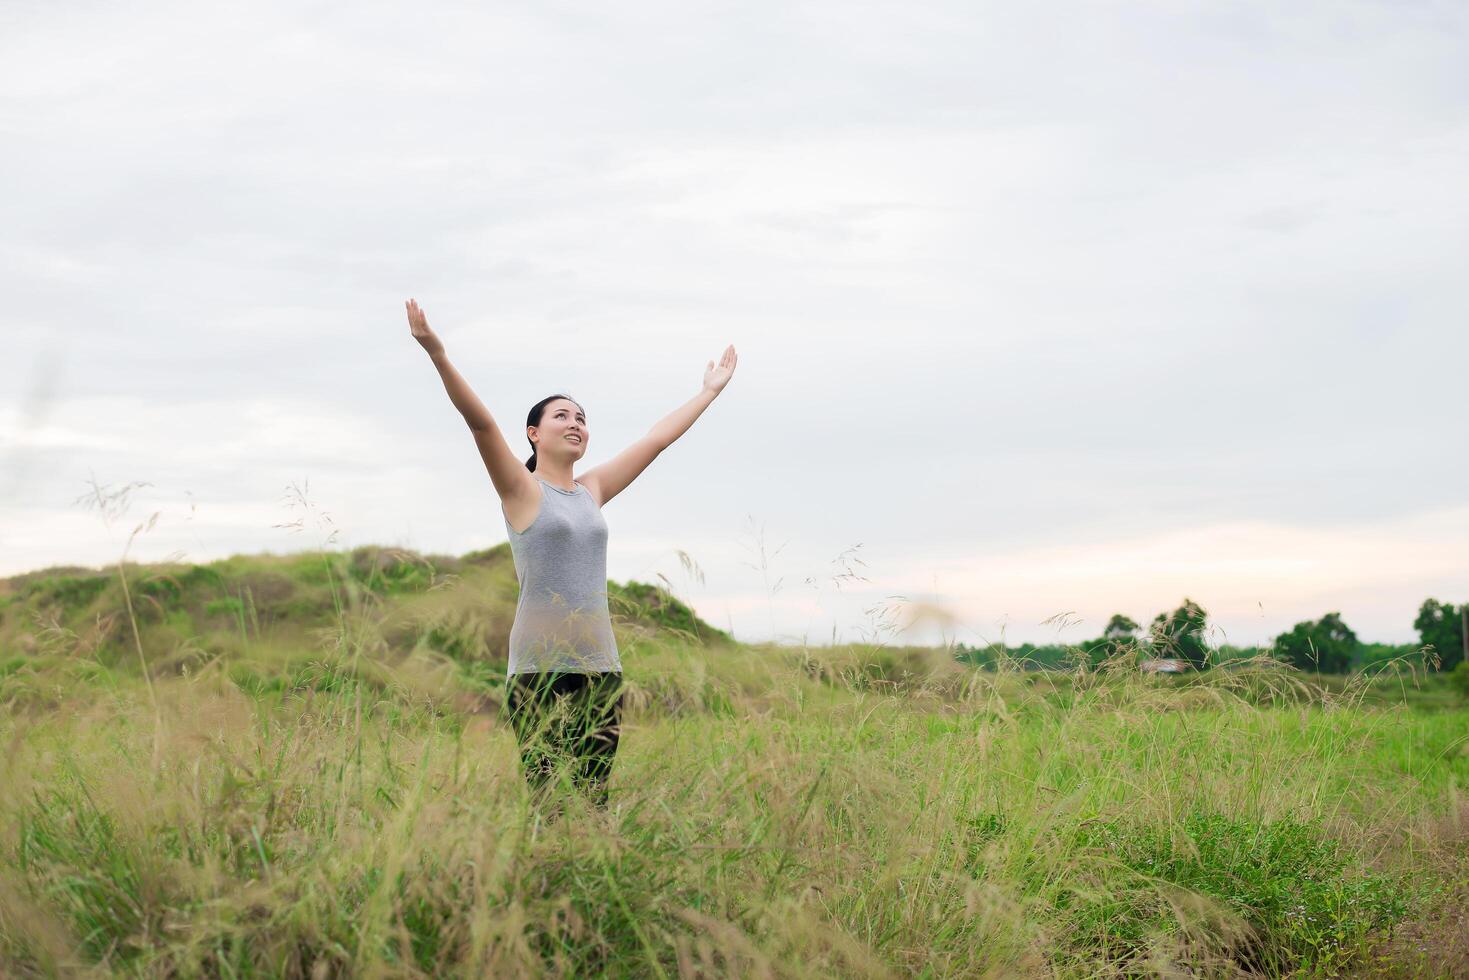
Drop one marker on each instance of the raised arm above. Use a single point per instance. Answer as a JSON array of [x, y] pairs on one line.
[[612, 477], [507, 473]]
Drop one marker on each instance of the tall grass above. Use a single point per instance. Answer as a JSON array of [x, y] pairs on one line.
[[271, 801]]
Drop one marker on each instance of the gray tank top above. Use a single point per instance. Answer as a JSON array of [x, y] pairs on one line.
[[561, 620]]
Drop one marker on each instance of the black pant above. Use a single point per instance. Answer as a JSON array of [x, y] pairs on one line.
[[568, 722]]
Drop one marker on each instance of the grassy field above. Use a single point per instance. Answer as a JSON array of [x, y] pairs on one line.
[[297, 766]]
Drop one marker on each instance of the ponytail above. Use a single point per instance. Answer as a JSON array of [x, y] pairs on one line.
[[534, 419]]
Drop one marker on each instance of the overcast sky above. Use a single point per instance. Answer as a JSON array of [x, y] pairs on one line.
[[1040, 308]]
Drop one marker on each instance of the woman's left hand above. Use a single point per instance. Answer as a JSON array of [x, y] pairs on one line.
[[717, 376]]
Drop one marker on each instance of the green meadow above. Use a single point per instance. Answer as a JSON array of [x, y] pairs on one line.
[[297, 766]]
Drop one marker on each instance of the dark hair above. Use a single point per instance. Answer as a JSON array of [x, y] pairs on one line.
[[534, 418]]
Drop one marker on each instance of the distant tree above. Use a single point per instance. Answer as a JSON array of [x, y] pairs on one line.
[[1441, 625], [1119, 627], [1378, 654], [985, 657], [1026, 656], [1049, 656], [1227, 653], [1179, 635], [1119, 636], [1327, 646]]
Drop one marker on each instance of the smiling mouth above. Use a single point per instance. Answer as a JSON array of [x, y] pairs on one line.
[[575, 438]]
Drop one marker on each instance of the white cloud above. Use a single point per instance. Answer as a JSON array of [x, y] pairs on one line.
[[1002, 285]]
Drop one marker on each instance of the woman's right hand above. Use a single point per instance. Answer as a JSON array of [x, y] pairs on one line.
[[422, 332]]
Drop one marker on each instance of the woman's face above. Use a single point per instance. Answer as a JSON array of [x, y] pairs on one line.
[[563, 430]]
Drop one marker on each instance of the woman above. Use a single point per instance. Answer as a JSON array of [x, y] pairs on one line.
[[565, 675]]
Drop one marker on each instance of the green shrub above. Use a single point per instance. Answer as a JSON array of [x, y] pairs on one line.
[[658, 606], [71, 592], [1459, 678], [465, 633], [71, 850], [254, 683], [483, 675], [1289, 881], [230, 606], [452, 642], [391, 571], [498, 555], [164, 588]]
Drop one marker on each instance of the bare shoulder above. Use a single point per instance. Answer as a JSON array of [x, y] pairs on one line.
[[522, 504]]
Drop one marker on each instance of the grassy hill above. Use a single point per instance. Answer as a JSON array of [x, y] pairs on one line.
[[295, 768], [276, 607]]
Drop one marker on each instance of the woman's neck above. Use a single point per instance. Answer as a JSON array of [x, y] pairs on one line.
[[557, 478]]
